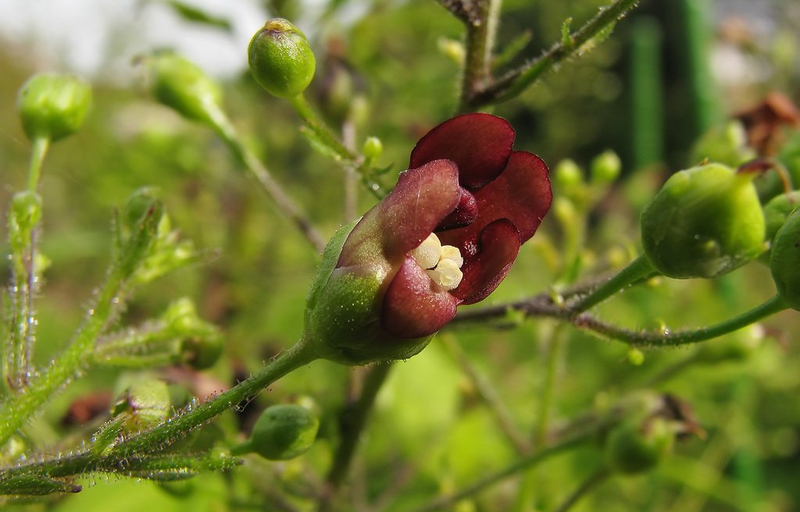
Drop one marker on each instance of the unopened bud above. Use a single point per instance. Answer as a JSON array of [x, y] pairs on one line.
[[53, 106], [184, 87], [146, 404], [605, 168], [281, 59], [282, 432]]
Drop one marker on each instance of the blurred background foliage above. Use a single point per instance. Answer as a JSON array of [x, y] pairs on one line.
[[668, 73]]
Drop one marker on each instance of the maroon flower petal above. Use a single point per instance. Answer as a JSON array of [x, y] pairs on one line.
[[403, 219], [465, 213], [414, 306], [496, 251], [479, 144], [521, 194]]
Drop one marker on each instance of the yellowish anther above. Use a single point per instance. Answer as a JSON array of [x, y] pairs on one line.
[[446, 274], [427, 254], [450, 252]]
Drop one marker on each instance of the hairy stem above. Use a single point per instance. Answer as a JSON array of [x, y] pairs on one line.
[[164, 434], [478, 50], [636, 270], [286, 205], [517, 80]]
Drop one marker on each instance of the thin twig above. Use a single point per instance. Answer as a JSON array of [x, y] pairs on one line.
[[514, 82]]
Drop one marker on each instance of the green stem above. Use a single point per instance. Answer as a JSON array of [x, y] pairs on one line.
[[16, 410], [318, 126], [353, 421], [476, 61], [597, 478], [301, 354], [683, 337], [286, 205], [514, 469], [38, 152], [517, 80], [636, 270]]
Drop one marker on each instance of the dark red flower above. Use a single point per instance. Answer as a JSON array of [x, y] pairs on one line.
[[466, 186]]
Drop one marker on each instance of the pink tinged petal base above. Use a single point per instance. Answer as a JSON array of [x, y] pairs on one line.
[[414, 306], [479, 144], [495, 252], [403, 219]]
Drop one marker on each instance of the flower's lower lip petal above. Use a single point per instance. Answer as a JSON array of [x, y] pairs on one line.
[[479, 144], [498, 246], [412, 308]]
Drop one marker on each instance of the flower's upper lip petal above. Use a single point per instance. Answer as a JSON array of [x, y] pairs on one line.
[[414, 306], [521, 194], [480, 144], [498, 246], [403, 219]]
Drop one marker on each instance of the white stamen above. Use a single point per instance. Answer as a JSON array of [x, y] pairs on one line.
[[446, 274], [450, 252], [427, 254]]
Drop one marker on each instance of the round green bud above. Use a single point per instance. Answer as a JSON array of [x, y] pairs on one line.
[[784, 260], [704, 222], [282, 432], [281, 59], [605, 168], [53, 106], [373, 148], [568, 175], [184, 87], [147, 403], [633, 447]]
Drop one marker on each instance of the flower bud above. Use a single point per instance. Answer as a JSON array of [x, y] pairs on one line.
[[777, 211], [568, 175], [633, 447], [282, 432], [605, 168], [704, 222], [281, 59], [784, 260], [373, 148], [184, 87], [53, 106], [146, 404], [138, 204]]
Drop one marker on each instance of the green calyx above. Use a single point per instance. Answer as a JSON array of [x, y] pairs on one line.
[[704, 222], [282, 432], [784, 261], [343, 312], [184, 87], [53, 106], [281, 59], [143, 405], [776, 211]]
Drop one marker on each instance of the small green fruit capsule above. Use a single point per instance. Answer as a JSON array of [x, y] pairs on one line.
[[184, 87], [53, 106], [704, 222], [373, 148], [633, 447], [282, 432], [281, 59], [784, 260], [605, 168], [147, 403]]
